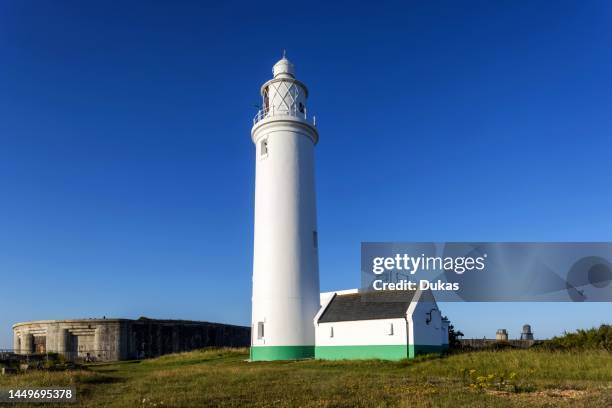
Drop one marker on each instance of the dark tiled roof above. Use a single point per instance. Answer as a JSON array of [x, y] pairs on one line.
[[367, 306]]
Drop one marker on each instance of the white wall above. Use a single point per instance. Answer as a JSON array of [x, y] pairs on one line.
[[362, 333], [285, 264], [420, 331], [444, 332]]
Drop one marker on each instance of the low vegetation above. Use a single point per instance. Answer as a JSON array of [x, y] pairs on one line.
[[223, 377], [591, 339]]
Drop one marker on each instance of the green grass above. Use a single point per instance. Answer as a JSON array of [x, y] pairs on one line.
[[222, 377]]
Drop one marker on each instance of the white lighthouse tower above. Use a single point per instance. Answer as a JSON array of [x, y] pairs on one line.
[[285, 263]]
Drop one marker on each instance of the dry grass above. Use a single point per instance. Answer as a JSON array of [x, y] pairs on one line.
[[222, 377]]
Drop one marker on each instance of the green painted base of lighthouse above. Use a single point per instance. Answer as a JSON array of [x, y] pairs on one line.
[[272, 353]]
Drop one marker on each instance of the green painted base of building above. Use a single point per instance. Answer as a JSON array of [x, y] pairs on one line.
[[386, 352], [383, 352], [416, 349], [272, 353]]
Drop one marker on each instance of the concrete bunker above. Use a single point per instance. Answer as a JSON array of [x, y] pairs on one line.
[[122, 339]]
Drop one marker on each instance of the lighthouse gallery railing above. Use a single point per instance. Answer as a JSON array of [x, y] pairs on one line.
[[282, 111]]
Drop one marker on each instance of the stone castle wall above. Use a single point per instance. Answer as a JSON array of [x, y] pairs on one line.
[[484, 343], [121, 339]]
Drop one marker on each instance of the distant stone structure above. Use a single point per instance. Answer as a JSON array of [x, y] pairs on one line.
[[526, 334], [486, 343], [123, 339], [501, 335]]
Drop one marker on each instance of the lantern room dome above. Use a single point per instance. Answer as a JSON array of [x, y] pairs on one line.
[[283, 68]]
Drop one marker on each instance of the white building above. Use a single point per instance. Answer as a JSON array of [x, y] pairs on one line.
[[353, 325], [285, 262], [286, 295]]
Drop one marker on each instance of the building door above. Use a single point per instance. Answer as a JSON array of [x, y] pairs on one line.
[[40, 344]]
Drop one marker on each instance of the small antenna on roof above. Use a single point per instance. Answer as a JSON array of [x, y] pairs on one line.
[[284, 53]]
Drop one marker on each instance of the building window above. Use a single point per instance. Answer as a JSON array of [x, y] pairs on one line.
[[260, 330], [331, 331], [266, 101], [301, 107], [263, 149], [315, 240], [390, 329]]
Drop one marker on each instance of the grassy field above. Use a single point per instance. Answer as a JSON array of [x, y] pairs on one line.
[[222, 377]]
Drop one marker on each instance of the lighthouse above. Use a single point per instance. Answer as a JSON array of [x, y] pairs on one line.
[[285, 262]]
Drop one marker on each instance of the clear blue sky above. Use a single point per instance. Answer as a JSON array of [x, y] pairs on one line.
[[127, 169]]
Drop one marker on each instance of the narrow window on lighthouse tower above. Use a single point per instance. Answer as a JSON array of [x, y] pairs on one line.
[[315, 239], [263, 149], [260, 330]]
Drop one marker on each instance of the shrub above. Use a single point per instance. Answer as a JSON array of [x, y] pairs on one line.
[[594, 339]]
